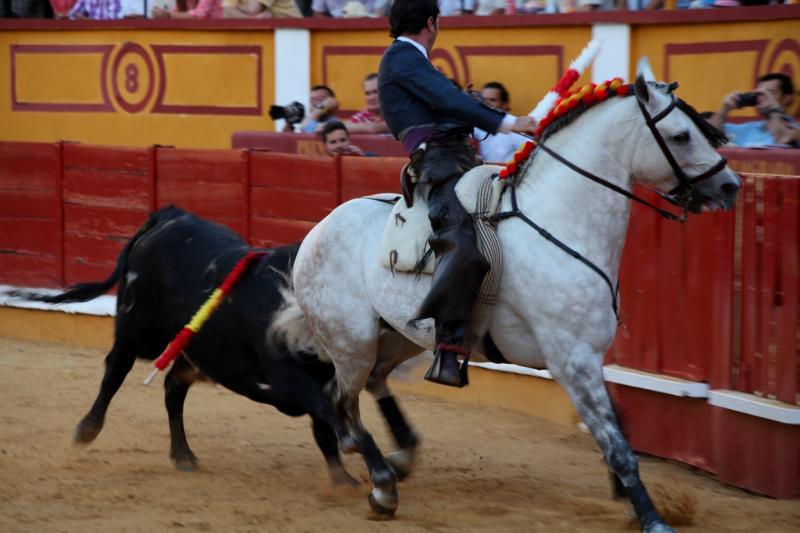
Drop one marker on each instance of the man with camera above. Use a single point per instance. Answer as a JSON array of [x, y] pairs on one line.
[[772, 96], [434, 120]]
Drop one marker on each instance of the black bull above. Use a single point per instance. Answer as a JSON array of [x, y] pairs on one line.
[[164, 274]]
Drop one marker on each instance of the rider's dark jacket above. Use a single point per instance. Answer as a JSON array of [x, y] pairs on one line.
[[414, 95]]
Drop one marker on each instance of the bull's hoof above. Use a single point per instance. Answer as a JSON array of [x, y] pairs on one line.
[[402, 462], [658, 526], [382, 503], [185, 462], [86, 431], [340, 477]]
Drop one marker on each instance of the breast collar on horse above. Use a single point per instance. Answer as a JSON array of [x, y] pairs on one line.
[[678, 196]]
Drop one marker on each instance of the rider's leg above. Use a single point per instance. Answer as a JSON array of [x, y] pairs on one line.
[[457, 278]]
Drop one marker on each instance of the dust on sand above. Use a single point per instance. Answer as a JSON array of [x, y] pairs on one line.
[[480, 469]]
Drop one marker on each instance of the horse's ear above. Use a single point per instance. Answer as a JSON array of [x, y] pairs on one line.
[[642, 92], [644, 69]]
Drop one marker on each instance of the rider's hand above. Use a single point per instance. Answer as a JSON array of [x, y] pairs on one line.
[[524, 124]]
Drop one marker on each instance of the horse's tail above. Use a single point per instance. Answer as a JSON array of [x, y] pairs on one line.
[[289, 325], [83, 292]]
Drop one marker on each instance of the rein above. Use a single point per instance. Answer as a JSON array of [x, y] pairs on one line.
[[681, 192]]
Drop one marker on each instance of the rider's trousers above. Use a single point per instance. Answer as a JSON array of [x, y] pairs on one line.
[[460, 267]]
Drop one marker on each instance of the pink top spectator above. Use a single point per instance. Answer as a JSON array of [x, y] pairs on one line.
[[365, 116], [204, 9]]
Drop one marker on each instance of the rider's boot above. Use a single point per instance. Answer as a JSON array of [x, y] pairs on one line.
[[446, 368]]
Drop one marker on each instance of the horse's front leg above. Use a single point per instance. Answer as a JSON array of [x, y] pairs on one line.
[[581, 375]]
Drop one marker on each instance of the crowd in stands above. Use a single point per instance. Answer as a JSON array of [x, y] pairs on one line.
[[206, 9]]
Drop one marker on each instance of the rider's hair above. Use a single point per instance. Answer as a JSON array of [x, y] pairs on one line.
[[409, 17], [500, 87], [787, 87]]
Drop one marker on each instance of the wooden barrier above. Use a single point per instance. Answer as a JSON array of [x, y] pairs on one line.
[[714, 300], [309, 144]]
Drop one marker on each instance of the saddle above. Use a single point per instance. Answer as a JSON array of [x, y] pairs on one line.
[[404, 244]]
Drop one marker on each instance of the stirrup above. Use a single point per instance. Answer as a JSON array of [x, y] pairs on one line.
[[446, 369]]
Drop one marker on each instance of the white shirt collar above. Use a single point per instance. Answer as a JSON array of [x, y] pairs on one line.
[[416, 45]]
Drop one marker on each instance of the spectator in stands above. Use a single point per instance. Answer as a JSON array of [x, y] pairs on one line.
[[449, 8], [322, 107], [335, 8], [243, 9], [26, 9], [772, 97], [337, 140], [190, 9], [369, 120], [585, 6], [96, 10], [498, 147]]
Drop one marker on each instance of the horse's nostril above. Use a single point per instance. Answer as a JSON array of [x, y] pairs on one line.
[[730, 188]]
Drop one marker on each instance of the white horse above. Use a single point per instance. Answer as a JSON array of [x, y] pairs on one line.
[[553, 310]]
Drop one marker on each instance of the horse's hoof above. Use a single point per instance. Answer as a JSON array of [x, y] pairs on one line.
[[185, 462], [402, 462], [348, 444], [383, 503], [86, 431], [658, 527]]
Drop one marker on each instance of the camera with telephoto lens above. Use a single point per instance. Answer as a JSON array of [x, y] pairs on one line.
[[292, 113], [748, 99]]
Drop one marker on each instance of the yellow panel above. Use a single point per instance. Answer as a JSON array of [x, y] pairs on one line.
[[58, 78], [349, 72], [210, 79]]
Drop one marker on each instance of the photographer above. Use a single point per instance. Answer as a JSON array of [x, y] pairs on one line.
[[322, 107], [772, 97]]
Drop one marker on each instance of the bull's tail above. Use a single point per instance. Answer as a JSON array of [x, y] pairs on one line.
[[83, 292], [289, 325]]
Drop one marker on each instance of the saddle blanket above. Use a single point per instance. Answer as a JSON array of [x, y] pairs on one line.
[[405, 236]]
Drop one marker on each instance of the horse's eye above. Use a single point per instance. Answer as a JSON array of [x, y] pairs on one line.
[[682, 137]]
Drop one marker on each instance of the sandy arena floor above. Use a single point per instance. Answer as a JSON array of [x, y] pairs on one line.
[[481, 469]]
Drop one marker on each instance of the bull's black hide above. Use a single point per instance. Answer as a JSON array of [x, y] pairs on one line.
[[164, 274]]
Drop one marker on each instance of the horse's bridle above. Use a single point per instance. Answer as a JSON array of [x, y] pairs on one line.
[[678, 196]]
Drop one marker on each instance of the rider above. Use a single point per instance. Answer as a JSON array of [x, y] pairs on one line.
[[434, 120]]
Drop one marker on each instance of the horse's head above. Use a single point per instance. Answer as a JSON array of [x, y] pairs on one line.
[[676, 149]]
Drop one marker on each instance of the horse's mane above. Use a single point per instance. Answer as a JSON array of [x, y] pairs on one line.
[[559, 120]]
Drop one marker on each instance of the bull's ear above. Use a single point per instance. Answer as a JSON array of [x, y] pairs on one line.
[[642, 92]]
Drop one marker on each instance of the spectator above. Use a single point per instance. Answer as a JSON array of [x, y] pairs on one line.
[[239, 9], [96, 10], [772, 97], [337, 140], [334, 8], [322, 107], [190, 9], [585, 6], [498, 147], [449, 8], [26, 9], [369, 120]]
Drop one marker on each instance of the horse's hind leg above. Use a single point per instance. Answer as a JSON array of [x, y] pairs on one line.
[[328, 443], [582, 377], [393, 349], [119, 362], [176, 386]]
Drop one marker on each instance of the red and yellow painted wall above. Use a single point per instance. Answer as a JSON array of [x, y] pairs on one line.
[[192, 84]]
